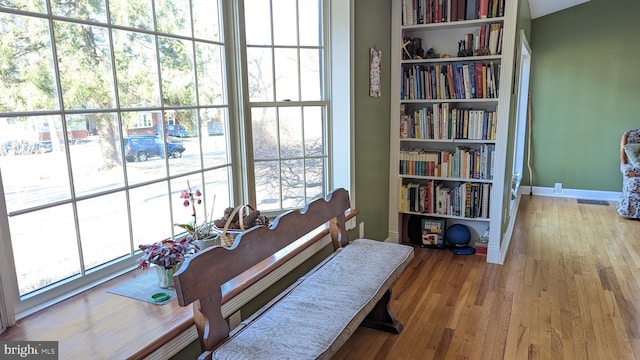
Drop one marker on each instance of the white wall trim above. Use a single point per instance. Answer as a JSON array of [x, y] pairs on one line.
[[175, 345], [573, 193], [342, 82]]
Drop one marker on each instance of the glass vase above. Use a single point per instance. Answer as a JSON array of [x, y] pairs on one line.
[[165, 276]]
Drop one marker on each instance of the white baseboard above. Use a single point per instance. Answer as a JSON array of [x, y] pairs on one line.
[[572, 193]]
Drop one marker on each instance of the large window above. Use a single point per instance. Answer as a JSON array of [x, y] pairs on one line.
[[87, 158], [285, 81], [96, 95]]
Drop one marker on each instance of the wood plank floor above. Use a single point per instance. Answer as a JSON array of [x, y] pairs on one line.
[[569, 289]]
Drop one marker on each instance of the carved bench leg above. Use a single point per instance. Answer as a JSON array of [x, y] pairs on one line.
[[381, 318]]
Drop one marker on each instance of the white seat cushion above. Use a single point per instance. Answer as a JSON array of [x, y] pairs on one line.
[[322, 312]]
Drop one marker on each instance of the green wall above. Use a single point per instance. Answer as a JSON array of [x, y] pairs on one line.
[[585, 93], [372, 29]]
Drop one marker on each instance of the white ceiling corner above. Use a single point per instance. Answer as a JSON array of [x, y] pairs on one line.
[[544, 7]]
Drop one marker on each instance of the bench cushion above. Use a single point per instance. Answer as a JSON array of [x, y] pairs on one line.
[[318, 315]]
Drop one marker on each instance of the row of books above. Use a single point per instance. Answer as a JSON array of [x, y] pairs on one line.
[[464, 162], [470, 200], [450, 81], [486, 40], [442, 122], [437, 11]]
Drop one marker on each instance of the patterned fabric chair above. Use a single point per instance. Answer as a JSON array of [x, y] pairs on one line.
[[629, 202]]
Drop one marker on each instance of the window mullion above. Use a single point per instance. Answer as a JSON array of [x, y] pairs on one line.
[[119, 123], [239, 106], [63, 115]]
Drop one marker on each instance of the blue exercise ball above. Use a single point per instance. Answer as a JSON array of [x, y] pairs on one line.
[[458, 235]]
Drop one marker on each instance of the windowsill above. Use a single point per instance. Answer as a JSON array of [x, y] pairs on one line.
[[99, 325]]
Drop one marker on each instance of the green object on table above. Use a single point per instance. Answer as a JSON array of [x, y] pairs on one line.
[[160, 297]]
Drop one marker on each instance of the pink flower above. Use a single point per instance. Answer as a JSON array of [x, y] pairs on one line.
[[184, 194]]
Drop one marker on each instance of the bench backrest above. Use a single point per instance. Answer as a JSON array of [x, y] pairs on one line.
[[200, 278]]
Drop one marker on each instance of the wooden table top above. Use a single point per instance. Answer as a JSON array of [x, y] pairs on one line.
[[100, 325]]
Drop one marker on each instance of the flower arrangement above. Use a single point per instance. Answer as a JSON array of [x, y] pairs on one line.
[[191, 198], [167, 253], [170, 253]]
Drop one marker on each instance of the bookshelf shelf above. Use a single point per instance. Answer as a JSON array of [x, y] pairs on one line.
[[490, 101], [450, 103], [444, 216], [444, 178], [448, 141], [452, 24], [466, 59]]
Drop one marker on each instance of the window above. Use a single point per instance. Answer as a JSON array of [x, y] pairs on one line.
[[95, 93], [288, 108], [144, 120], [88, 88]]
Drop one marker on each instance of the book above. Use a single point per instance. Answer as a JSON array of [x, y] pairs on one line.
[[454, 10], [483, 12], [461, 10], [479, 83], [494, 37], [421, 11], [484, 81], [472, 80], [404, 12], [484, 208], [471, 10], [467, 83], [433, 233], [451, 83]]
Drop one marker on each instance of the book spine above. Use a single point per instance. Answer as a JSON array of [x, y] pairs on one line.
[[479, 84], [404, 12], [454, 10], [462, 10], [467, 85], [471, 12], [484, 81], [472, 80], [484, 9]]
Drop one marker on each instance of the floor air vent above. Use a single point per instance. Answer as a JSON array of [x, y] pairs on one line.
[[593, 202]]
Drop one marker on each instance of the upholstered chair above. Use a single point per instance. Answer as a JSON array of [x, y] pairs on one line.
[[629, 202]]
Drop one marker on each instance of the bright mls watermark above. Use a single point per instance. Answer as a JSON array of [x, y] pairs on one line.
[[40, 350]]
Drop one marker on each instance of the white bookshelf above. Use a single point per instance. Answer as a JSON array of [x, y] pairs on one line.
[[443, 38]]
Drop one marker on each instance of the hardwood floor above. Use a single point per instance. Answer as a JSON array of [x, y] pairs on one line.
[[569, 289]]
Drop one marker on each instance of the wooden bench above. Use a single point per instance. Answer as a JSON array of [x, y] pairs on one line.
[[316, 315]]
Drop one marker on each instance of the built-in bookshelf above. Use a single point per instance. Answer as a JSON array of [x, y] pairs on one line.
[[449, 113]]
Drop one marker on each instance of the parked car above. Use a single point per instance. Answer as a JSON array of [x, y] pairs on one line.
[[215, 128], [43, 147], [142, 147], [177, 131], [26, 147]]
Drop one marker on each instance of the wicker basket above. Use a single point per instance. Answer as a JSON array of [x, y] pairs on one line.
[[228, 236]]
